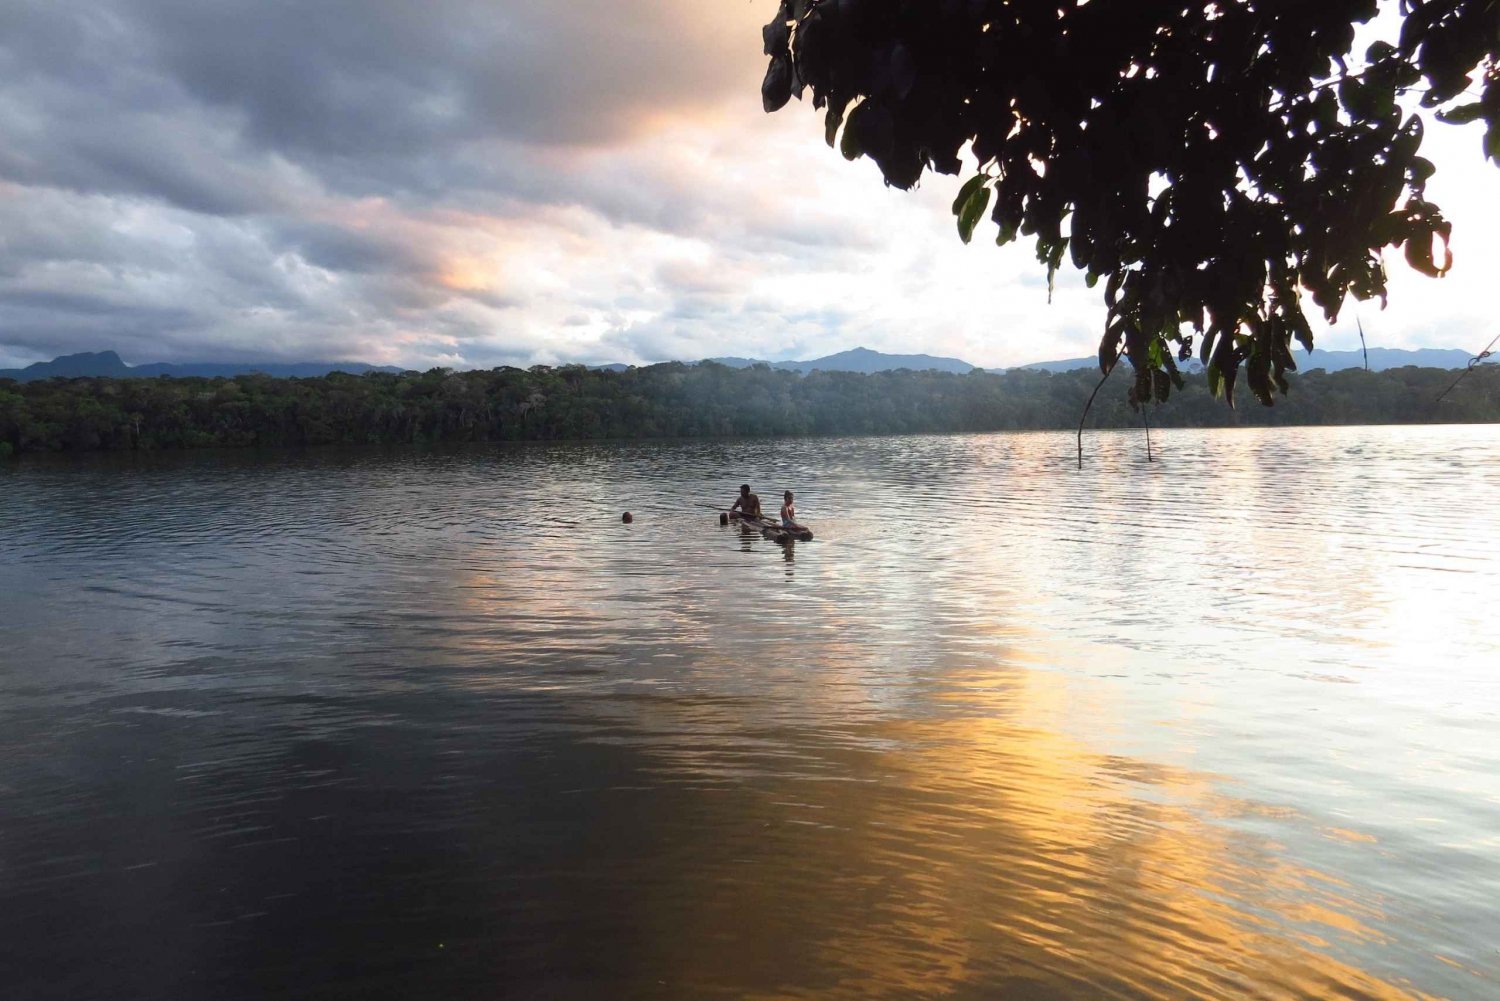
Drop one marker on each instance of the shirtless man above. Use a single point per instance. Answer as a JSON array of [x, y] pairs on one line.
[[746, 505]]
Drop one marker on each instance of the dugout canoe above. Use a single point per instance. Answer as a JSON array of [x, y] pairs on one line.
[[773, 530]]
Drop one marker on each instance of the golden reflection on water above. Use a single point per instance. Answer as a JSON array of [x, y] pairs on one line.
[[958, 837], [899, 809], [982, 851]]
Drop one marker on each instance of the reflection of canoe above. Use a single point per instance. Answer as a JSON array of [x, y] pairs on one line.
[[778, 534], [772, 529]]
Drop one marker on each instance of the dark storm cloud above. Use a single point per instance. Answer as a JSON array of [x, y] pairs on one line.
[[82, 109], [19, 301], [339, 248], [157, 97], [47, 325], [371, 77], [156, 283]]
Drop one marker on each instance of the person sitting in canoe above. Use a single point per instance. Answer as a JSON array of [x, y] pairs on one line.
[[788, 512], [746, 505]]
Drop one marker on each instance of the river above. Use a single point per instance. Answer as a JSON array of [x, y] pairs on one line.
[[370, 724]]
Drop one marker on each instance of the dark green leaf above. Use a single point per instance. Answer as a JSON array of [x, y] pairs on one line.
[[849, 144], [1419, 254], [972, 211], [776, 89], [1155, 352], [970, 186], [1162, 385], [775, 37], [1463, 114], [1109, 349]]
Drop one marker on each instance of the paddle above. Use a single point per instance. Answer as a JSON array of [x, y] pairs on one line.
[[738, 514], [725, 510]]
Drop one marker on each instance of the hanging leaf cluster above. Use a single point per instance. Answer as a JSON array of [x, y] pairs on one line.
[[1214, 164]]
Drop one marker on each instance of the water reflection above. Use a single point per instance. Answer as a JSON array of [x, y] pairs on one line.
[[432, 725]]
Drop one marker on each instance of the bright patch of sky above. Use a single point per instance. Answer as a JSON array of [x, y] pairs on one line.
[[473, 183]]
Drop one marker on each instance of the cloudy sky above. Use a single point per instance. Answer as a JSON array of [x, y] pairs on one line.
[[483, 182]]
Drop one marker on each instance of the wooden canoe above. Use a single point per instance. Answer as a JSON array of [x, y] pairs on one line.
[[772, 529]]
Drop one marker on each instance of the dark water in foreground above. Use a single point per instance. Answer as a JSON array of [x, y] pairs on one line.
[[438, 726]]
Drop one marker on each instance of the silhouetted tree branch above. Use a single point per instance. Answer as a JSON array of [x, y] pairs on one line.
[[1212, 163]]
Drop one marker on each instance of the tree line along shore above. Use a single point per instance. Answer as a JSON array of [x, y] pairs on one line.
[[675, 400]]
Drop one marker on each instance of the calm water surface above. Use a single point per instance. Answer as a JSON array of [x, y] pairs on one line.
[[405, 725]]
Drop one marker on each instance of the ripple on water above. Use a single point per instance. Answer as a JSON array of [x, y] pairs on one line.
[[403, 723]]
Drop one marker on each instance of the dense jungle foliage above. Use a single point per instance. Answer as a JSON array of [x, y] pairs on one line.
[[669, 400]]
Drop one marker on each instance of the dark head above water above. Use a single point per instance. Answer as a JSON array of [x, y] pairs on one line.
[[627, 517]]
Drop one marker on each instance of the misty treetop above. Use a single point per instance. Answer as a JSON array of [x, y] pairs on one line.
[[1211, 163], [669, 400]]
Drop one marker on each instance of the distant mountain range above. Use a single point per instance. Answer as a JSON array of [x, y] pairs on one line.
[[107, 363], [865, 360], [858, 360], [1330, 361]]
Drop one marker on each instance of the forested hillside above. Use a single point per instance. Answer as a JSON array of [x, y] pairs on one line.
[[670, 400]]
